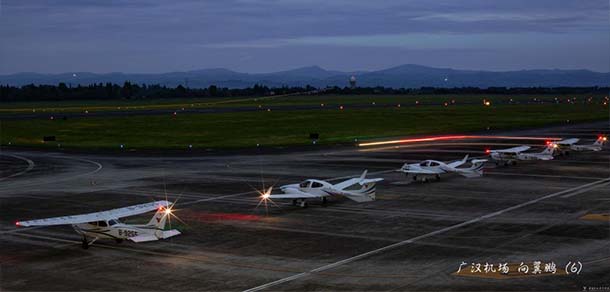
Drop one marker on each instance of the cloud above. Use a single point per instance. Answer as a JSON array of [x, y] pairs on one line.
[[127, 30]]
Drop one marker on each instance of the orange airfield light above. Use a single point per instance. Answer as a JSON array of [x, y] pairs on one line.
[[455, 137]]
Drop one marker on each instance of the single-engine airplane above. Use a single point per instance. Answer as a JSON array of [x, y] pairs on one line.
[[433, 168], [358, 189], [512, 155], [570, 144], [105, 224]]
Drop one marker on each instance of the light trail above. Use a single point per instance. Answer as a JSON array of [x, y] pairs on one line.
[[455, 137]]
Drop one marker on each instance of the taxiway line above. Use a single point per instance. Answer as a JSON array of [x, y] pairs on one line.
[[28, 161], [420, 237]]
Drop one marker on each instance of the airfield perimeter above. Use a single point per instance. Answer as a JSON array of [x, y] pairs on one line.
[[414, 237]]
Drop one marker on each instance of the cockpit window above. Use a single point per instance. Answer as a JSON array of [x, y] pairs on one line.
[[424, 163], [304, 184], [102, 224], [316, 185], [112, 222]]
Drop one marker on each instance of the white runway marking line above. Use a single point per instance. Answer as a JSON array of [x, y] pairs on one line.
[[585, 190], [28, 161], [433, 233], [540, 175], [99, 167]]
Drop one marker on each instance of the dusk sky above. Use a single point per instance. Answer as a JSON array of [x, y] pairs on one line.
[[262, 36]]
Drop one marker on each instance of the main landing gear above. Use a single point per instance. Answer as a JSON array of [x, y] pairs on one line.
[[426, 179], [86, 243], [300, 202]]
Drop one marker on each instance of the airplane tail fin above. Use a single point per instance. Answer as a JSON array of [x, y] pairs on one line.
[[476, 170], [550, 149], [367, 191], [364, 194], [600, 141], [160, 218]]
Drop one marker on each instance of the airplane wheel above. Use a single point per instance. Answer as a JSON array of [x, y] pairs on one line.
[[514, 162], [85, 243], [294, 202], [323, 200], [505, 163], [303, 204], [414, 177], [119, 240], [438, 177], [424, 180]]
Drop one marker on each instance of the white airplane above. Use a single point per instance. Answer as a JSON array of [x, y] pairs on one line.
[[428, 168], [105, 224], [512, 155], [570, 144], [358, 189]]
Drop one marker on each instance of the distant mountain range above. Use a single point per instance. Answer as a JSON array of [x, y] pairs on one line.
[[407, 76]]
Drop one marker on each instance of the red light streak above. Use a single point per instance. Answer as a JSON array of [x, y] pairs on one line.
[[456, 137]]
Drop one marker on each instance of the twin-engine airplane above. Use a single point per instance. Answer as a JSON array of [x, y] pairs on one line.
[[512, 155], [105, 224], [570, 144], [432, 168], [358, 189]]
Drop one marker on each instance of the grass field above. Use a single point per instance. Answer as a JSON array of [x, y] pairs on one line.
[[282, 128], [255, 102]]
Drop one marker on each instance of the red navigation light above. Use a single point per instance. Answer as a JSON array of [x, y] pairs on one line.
[[487, 151], [18, 223]]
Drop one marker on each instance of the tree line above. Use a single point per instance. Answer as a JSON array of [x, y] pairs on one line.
[[128, 90]]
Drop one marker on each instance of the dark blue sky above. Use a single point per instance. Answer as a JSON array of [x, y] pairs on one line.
[[263, 36]]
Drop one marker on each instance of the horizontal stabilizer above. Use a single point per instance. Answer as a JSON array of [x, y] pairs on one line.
[[360, 198], [368, 181], [169, 233], [143, 238]]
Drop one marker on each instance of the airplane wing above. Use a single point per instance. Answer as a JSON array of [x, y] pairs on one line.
[[362, 180], [97, 216], [567, 141], [458, 163], [291, 193], [422, 171], [512, 150]]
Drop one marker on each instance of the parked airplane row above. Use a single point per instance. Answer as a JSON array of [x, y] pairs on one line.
[[106, 224], [562, 147]]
